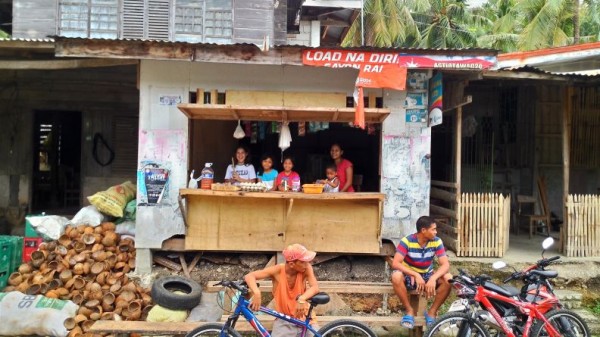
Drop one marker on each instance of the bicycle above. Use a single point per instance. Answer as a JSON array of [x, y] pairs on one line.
[[341, 327]]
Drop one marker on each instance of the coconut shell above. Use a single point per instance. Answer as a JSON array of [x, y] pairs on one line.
[[51, 294], [15, 279], [98, 267], [69, 323], [88, 238], [108, 226], [25, 268]]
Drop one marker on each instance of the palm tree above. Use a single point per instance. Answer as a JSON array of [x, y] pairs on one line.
[[414, 23], [447, 24], [538, 23], [388, 23], [590, 21], [494, 30]]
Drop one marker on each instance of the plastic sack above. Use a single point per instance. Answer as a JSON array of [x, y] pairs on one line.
[[88, 215], [34, 315], [126, 228], [239, 132], [285, 137], [162, 314], [49, 227], [114, 200]]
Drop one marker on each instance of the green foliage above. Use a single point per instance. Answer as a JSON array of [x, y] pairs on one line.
[[505, 25], [3, 34], [596, 308]]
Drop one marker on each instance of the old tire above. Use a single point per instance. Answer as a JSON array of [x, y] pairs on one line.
[[163, 293]]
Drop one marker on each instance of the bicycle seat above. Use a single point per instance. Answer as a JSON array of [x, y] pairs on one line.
[[545, 273], [320, 298]]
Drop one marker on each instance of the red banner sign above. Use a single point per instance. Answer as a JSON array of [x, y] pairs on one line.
[[376, 70]]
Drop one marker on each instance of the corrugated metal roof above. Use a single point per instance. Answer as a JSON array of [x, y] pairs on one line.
[[462, 51], [587, 73], [14, 39]]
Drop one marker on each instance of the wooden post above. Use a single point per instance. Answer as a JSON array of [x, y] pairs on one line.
[[566, 147], [458, 150], [199, 96]]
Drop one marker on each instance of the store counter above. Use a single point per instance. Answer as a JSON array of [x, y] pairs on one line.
[[268, 221]]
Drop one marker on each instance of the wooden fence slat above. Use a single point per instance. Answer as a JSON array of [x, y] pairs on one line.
[[483, 224], [582, 227]]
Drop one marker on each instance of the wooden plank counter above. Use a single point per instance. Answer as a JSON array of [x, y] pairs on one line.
[[254, 221]]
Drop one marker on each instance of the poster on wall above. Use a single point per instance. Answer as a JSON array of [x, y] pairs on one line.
[[436, 91], [416, 115], [156, 181]]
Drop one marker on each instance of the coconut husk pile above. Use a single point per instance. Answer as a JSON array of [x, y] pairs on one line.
[[89, 266]]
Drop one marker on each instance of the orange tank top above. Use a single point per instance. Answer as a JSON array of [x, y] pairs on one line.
[[285, 297]]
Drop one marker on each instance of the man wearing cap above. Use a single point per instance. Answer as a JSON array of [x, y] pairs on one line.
[[289, 287]]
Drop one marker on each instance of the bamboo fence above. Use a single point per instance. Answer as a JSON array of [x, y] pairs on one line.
[[582, 229], [484, 222]]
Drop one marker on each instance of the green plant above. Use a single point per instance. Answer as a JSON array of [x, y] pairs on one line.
[[596, 308]]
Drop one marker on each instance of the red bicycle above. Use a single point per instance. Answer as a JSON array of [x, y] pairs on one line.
[[489, 304]]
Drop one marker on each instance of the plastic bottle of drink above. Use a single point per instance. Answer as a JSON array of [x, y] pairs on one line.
[[206, 176], [296, 184]]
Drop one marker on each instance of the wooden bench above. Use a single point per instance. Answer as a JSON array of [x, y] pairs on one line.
[[167, 328]]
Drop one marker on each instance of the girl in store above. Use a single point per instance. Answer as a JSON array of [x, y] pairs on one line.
[[243, 172], [345, 170], [268, 174], [287, 180]]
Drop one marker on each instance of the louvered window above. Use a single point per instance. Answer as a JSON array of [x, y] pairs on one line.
[[88, 18], [146, 19], [173, 20]]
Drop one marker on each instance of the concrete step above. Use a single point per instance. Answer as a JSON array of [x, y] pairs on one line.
[[569, 298]]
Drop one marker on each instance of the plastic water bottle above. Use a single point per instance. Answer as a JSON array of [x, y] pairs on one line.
[[296, 184], [207, 176]]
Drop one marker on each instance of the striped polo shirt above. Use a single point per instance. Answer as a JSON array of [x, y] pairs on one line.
[[420, 258]]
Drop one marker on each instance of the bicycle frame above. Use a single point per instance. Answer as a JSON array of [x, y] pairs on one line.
[[530, 309], [243, 310]]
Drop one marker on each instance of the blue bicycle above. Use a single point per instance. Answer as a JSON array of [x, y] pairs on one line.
[[337, 328]]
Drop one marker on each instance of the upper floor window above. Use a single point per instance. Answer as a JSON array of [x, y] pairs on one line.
[[173, 20], [88, 18]]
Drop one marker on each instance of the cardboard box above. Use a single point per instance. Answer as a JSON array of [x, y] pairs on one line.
[[30, 245]]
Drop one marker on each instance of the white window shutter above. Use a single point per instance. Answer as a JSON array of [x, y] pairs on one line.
[[133, 19], [159, 14]]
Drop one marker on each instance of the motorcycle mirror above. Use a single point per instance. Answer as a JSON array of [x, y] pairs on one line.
[[547, 243], [498, 265]]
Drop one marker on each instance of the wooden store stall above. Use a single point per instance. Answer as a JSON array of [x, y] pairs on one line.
[[267, 221]]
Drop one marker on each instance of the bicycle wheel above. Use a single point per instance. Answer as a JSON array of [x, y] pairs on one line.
[[456, 324], [346, 328], [566, 322], [212, 330]]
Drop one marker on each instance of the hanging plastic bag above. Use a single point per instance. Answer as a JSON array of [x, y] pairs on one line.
[[239, 132], [285, 137]]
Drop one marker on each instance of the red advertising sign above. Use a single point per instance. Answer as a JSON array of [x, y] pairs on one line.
[[376, 70]]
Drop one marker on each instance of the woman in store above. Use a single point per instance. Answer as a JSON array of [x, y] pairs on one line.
[[243, 172], [345, 170]]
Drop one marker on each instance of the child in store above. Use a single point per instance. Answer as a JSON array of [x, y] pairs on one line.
[[332, 183], [243, 172], [268, 174], [287, 180]]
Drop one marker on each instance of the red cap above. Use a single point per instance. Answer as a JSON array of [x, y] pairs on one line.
[[298, 252]]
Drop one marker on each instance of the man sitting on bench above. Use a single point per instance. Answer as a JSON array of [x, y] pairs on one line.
[[413, 270]]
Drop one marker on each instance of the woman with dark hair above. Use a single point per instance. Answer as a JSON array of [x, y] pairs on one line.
[[345, 170], [243, 172]]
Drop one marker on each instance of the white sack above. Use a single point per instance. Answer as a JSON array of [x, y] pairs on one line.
[[88, 215], [34, 315], [49, 226]]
